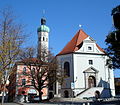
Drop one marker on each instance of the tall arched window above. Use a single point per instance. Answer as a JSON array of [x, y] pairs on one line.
[[67, 69]]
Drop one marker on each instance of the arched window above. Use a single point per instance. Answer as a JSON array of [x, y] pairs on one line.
[[67, 69], [43, 38]]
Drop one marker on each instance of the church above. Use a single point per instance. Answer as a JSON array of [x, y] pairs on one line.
[[85, 66], [83, 63]]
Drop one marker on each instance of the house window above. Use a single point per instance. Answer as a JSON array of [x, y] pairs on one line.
[[67, 69], [90, 62], [89, 48], [23, 81], [24, 70]]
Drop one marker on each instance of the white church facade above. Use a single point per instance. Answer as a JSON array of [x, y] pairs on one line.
[[84, 65]]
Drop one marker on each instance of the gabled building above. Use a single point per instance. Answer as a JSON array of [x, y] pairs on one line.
[[84, 64]]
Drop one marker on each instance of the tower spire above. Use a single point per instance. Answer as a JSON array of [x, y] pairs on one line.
[[43, 39]]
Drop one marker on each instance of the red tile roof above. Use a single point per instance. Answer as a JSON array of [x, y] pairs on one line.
[[30, 61], [75, 43]]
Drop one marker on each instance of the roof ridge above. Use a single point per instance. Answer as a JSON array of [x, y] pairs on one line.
[[78, 33]]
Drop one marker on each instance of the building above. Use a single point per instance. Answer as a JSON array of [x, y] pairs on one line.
[[85, 68], [21, 85]]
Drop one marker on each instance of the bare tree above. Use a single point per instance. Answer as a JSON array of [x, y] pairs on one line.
[[42, 73], [11, 39]]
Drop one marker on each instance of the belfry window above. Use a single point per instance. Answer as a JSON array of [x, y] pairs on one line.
[[67, 69], [43, 38]]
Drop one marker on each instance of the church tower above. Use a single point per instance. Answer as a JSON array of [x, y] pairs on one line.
[[43, 39]]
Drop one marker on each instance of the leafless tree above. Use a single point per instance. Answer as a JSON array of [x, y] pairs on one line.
[[43, 73], [11, 39]]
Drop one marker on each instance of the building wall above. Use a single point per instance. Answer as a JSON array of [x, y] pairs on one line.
[[16, 87], [104, 77]]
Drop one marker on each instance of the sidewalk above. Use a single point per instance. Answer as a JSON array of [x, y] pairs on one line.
[[12, 104]]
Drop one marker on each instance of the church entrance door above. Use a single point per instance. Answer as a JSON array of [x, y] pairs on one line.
[[91, 81]]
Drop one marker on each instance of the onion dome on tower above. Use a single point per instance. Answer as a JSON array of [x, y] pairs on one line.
[[43, 27]]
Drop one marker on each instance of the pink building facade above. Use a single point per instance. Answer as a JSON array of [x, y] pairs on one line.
[[21, 86]]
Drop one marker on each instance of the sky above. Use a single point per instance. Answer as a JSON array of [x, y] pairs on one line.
[[64, 18]]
